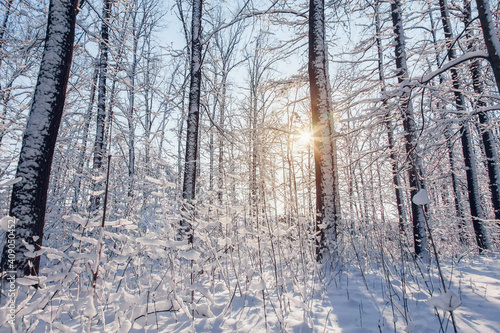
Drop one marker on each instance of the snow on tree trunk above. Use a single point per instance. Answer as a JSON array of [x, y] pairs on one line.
[[4, 93], [490, 37], [325, 159], [29, 196], [415, 167], [457, 196], [467, 146], [99, 144], [3, 28], [221, 173], [81, 159], [455, 184], [488, 137], [254, 72], [193, 117], [390, 132], [132, 73]]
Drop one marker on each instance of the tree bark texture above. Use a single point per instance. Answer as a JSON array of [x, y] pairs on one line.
[[490, 37], [487, 135], [466, 139], [415, 168], [325, 159], [193, 116], [190, 163], [99, 145], [390, 131], [29, 196]]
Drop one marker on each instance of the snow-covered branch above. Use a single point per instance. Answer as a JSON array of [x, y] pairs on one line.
[[466, 57]]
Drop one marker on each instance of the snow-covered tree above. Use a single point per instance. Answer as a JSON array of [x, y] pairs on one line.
[[325, 153], [29, 194]]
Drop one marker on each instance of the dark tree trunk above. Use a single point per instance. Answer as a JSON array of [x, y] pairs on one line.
[[221, 173], [81, 160], [490, 37], [193, 117], [390, 131], [457, 196], [254, 87], [3, 28], [467, 146], [99, 145], [29, 196], [325, 159], [486, 133], [4, 93], [409, 125]]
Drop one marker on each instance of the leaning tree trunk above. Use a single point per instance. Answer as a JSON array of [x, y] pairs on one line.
[[467, 146], [29, 195], [325, 154], [193, 117], [415, 162], [490, 37]]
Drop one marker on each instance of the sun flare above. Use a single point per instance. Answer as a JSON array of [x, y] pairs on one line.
[[305, 137]]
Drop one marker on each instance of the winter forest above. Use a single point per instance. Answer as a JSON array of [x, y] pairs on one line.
[[249, 166]]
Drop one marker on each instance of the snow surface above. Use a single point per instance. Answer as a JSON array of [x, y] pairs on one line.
[[421, 198], [351, 301]]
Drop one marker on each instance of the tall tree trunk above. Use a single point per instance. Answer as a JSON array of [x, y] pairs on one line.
[[325, 154], [190, 162], [253, 188], [4, 93], [29, 196], [99, 145], [86, 127], [3, 28], [389, 128], [137, 29], [211, 147], [488, 137], [490, 37], [148, 108], [415, 162], [457, 195], [467, 146], [222, 115]]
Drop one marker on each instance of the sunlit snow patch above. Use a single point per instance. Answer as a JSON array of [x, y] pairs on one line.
[[448, 301]]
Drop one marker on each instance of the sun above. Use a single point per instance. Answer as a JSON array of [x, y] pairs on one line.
[[305, 137]]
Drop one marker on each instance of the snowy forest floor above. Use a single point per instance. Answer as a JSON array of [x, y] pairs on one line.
[[242, 276], [351, 300]]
